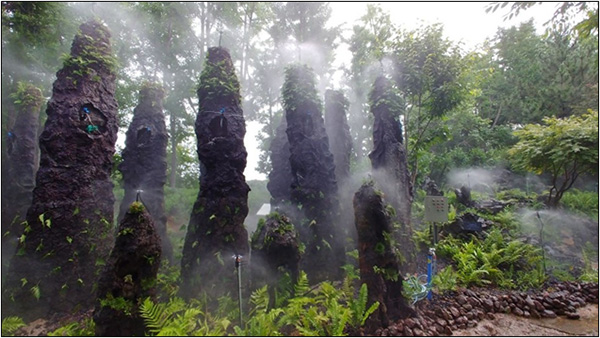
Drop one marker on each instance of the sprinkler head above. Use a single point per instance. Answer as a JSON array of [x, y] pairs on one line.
[[137, 195], [238, 259]]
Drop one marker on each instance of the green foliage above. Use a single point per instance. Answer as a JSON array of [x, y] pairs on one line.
[[581, 202], [136, 207], [178, 318], [299, 88], [589, 273], [27, 95], [94, 53], [360, 312], [445, 280], [120, 304], [10, 325], [495, 260], [76, 329], [217, 81], [564, 148]]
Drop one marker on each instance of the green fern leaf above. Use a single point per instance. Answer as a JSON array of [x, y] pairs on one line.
[[10, 325]]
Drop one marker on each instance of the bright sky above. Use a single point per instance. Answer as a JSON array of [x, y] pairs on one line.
[[465, 22]]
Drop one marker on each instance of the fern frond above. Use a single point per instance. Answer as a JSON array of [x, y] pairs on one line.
[[11, 324], [154, 315], [302, 287]]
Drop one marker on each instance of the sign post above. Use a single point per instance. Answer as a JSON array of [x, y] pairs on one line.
[[436, 210]]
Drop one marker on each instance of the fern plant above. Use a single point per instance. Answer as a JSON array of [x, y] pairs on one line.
[[360, 312], [11, 324], [178, 318]]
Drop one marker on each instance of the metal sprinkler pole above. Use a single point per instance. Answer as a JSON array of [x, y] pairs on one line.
[[542, 240], [238, 268]]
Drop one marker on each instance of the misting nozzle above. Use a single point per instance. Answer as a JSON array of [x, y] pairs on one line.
[[138, 193]]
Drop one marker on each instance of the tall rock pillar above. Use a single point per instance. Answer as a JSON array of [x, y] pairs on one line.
[[313, 187], [216, 232], [144, 165], [69, 230], [22, 163], [388, 160]]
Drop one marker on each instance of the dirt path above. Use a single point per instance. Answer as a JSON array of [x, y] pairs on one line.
[[510, 325]]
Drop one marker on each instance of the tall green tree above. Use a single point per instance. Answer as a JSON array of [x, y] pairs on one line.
[[564, 148], [531, 76], [428, 70]]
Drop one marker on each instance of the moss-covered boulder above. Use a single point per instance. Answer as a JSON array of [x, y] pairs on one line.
[[276, 250], [129, 276]]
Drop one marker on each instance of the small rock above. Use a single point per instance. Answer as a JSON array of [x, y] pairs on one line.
[[488, 304], [442, 322], [518, 311], [471, 323], [538, 305], [408, 332], [410, 323], [417, 332], [454, 311], [529, 302], [467, 306], [491, 316], [548, 314], [573, 316], [461, 299], [526, 314]]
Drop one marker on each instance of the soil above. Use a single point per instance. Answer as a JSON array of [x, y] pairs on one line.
[[511, 325]]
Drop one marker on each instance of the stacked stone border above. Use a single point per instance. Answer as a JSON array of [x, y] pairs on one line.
[[465, 308]]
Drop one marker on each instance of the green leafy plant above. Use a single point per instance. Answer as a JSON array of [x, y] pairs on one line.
[[76, 329], [445, 280], [11, 324]]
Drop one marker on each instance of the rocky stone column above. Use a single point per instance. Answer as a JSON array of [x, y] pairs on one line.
[[22, 163], [70, 222], [338, 131], [144, 165], [388, 160], [216, 231], [378, 259], [280, 177], [314, 188], [129, 276]]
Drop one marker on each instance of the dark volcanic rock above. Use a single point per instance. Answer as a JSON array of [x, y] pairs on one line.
[[280, 177], [216, 232], [431, 188], [340, 144], [275, 250], [463, 196], [468, 223], [379, 264], [144, 165], [129, 276], [314, 188], [60, 255], [338, 131], [388, 160], [22, 163]]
